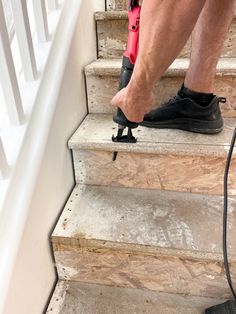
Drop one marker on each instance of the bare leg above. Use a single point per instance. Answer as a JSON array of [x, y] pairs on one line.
[[165, 26], [208, 37]]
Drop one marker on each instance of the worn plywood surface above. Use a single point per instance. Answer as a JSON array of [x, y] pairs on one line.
[[150, 171], [83, 298], [102, 78], [145, 220], [171, 274]]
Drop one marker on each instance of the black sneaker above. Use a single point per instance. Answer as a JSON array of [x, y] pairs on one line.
[[184, 114]]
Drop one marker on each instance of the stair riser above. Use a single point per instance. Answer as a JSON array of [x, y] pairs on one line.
[[117, 5], [170, 274], [101, 89], [112, 39], [199, 174]]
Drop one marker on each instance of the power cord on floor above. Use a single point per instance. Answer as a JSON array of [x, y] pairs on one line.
[[228, 307], [225, 214]]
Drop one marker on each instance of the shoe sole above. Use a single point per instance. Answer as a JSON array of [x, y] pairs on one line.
[[191, 125]]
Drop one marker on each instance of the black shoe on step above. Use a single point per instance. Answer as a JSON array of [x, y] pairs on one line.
[[185, 114]]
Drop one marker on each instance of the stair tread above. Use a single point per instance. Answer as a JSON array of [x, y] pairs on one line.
[[111, 15], [115, 15], [75, 297], [225, 66], [152, 221], [96, 130]]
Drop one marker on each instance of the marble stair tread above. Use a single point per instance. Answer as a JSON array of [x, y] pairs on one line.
[[118, 15], [112, 30], [147, 221], [111, 15], [81, 298], [96, 130], [111, 67]]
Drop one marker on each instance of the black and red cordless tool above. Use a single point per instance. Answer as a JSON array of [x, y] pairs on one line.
[[128, 62]]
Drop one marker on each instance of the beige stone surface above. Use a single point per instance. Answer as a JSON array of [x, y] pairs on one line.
[[83, 298], [117, 5], [96, 130], [102, 77], [145, 221], [112, 30]]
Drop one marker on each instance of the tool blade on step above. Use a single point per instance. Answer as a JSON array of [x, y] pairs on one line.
[[120, 138]]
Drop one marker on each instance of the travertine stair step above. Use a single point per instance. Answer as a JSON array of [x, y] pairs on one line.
[[156, 240], [117, 5], [161, 159], [112, 31], [80, 298], [102, 78]]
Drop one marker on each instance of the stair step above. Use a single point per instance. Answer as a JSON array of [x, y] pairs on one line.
[[112, 34], [80, 298], [102, 78], [156, 240], [117, 5], [161, 159], [112, 31]]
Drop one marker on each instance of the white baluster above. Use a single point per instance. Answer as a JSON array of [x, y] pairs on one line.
[[22, 29], [3, 162], [41, 22], [52, 5], [8, 78]]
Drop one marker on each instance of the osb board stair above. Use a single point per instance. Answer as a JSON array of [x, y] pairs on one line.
[[143, 239], [161, 159]]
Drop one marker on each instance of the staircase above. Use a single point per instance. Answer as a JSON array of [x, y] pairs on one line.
[[143, 234]]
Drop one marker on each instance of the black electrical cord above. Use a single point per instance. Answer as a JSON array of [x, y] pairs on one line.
[[225, 214]]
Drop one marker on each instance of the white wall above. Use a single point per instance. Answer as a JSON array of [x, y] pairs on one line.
[[34, 273]]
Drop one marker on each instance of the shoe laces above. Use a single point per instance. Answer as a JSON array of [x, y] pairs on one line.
[[170, 101]]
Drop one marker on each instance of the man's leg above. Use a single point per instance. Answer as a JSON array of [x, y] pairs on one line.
[[207, 41], [165, 26], [196, 108]]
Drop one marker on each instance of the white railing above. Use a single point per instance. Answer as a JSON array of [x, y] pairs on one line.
[[13, 107]]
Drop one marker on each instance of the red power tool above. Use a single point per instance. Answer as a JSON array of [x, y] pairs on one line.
[[129, 58]]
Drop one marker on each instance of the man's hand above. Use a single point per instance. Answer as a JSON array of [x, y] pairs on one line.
[[134, 103]]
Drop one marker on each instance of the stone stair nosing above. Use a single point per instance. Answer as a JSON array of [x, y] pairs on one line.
[[102, 77], [161, 159], [80, 298], [153, 240], [112, 33]]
